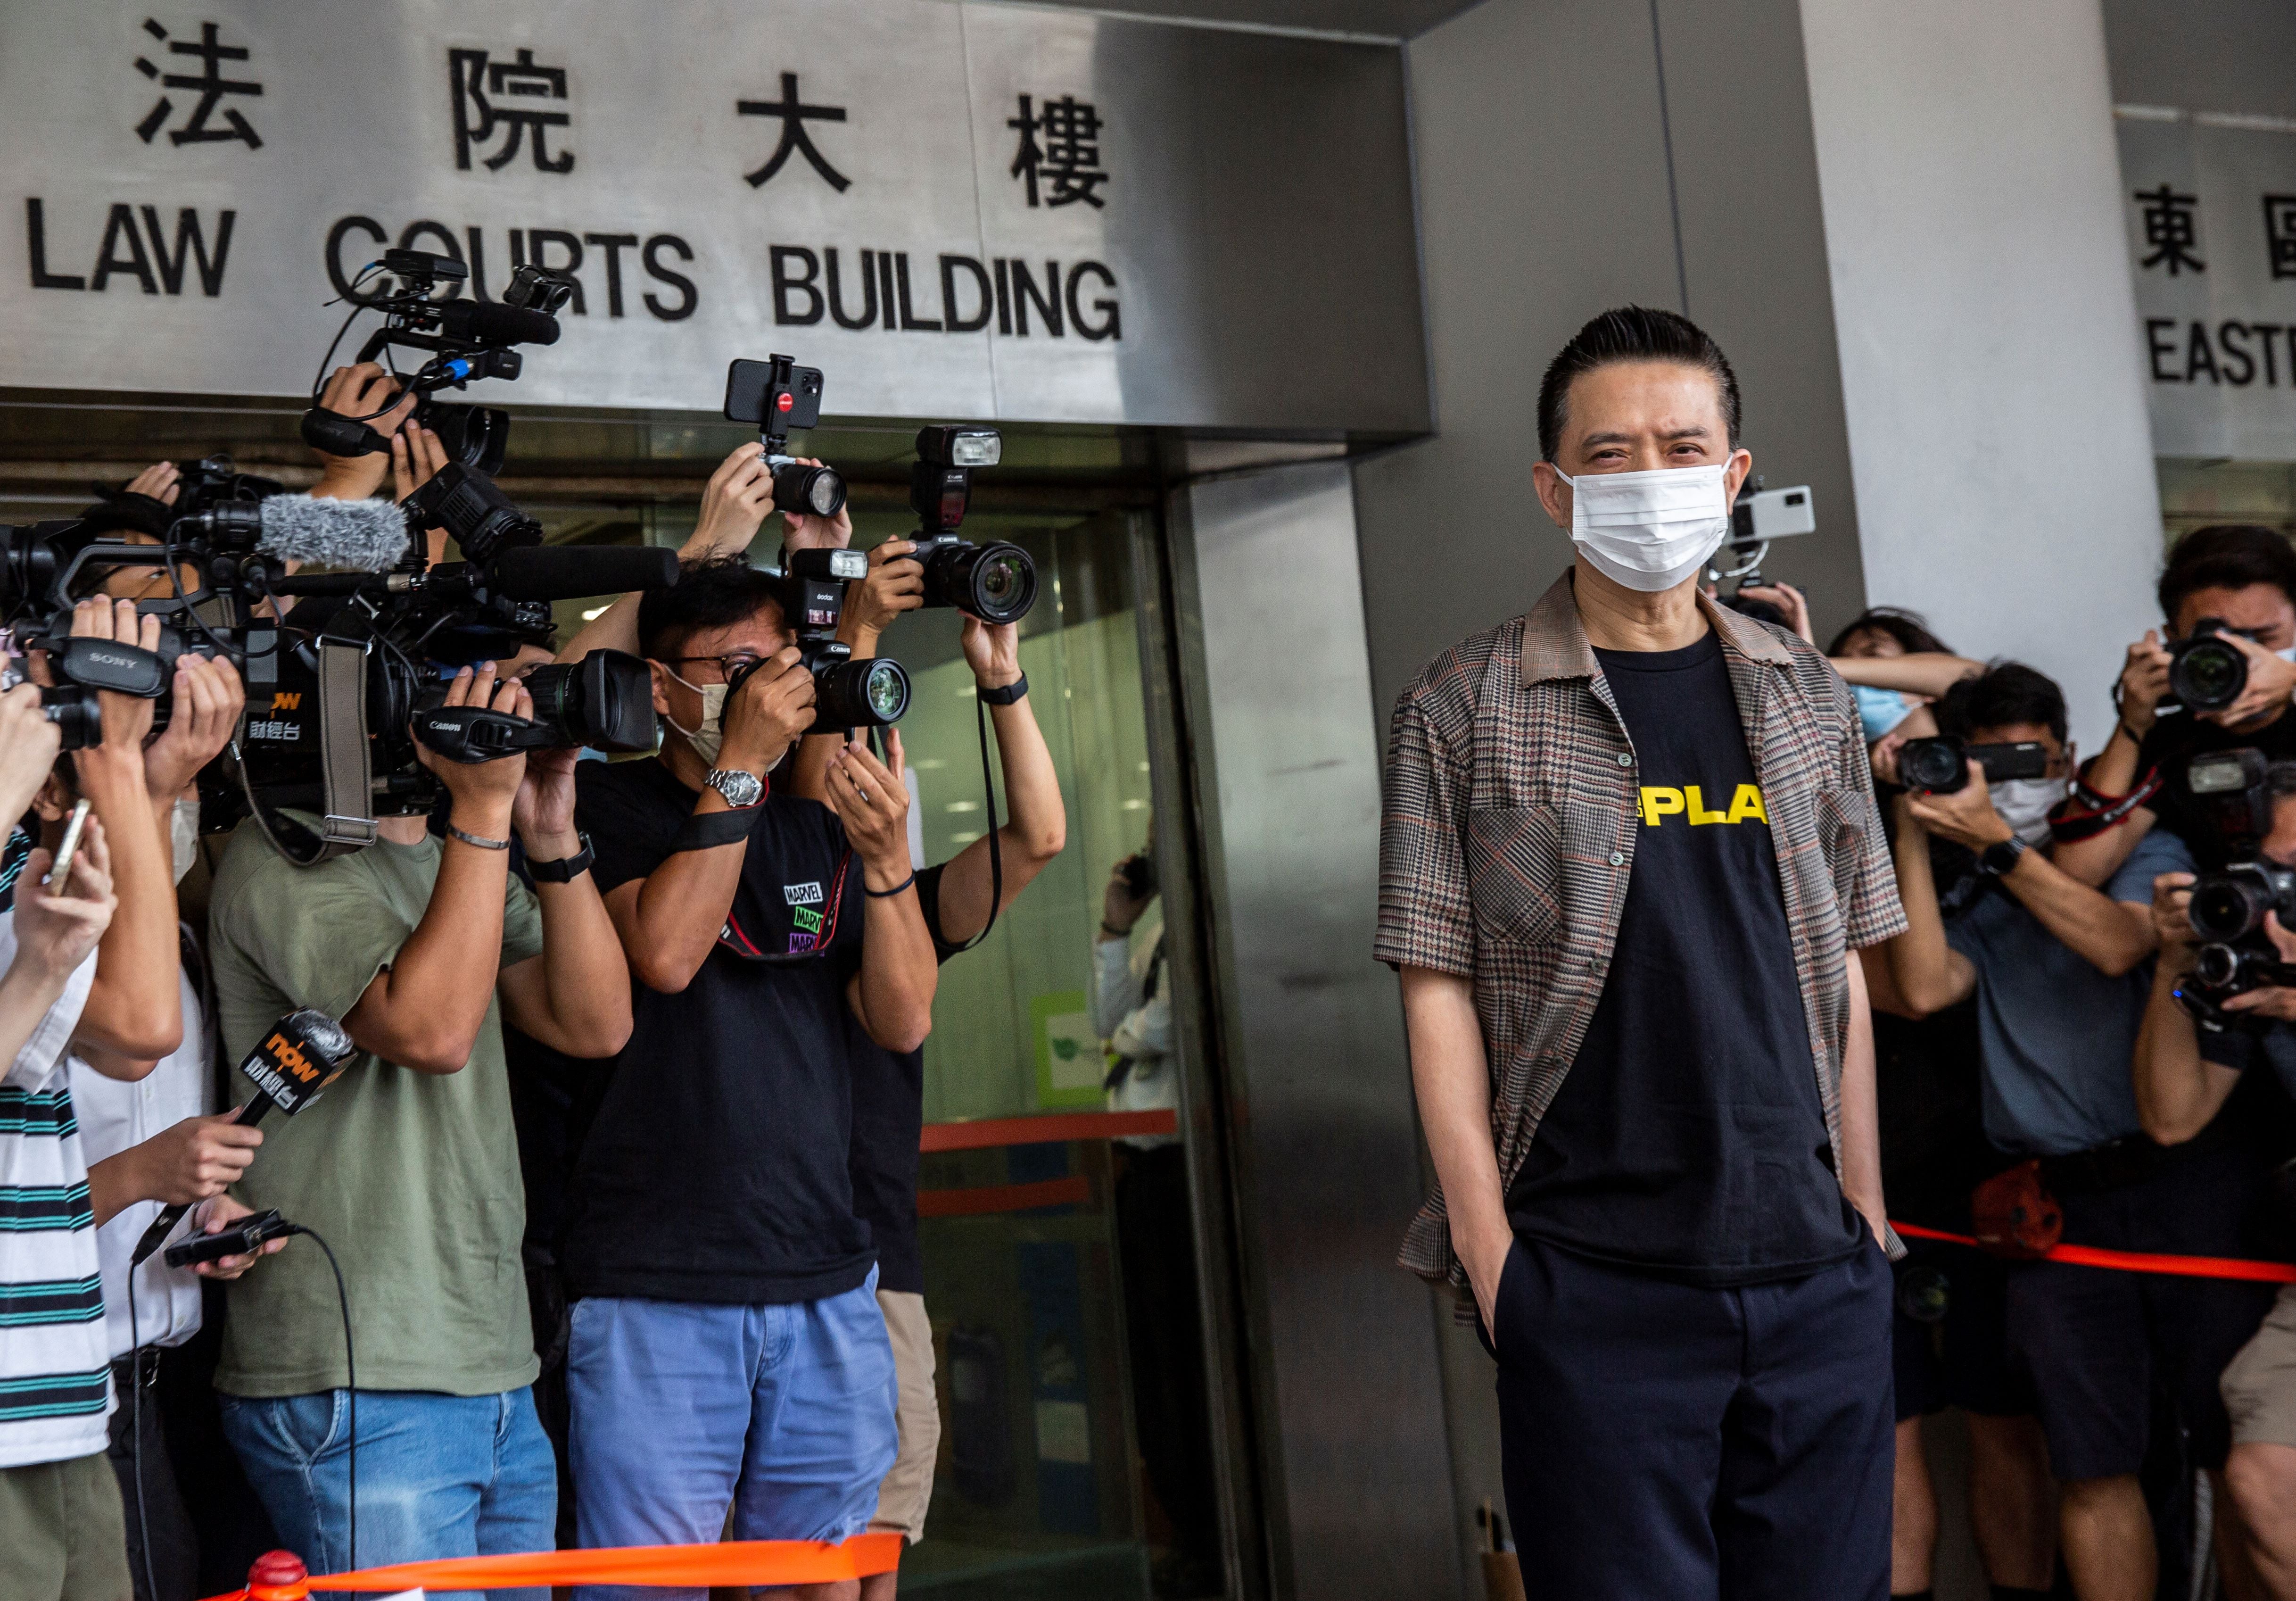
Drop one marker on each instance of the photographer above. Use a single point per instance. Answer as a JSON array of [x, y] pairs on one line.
[[957, 899], [2243, 576], [1896, 667], [2187, 1078], [2055, 967], [408, 1167], [727, 1346]]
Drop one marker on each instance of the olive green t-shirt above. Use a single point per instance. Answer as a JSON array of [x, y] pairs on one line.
[[413, 1178]]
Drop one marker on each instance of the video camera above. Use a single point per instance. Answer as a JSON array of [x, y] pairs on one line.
[[468, 340], [1940, 765]]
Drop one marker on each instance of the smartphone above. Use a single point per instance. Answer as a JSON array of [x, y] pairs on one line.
[[776, 395], [60, 874]]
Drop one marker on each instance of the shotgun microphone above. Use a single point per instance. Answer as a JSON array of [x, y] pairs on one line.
[[305, 1052]]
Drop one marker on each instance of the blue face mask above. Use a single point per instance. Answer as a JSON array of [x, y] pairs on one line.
[[1879, 710]]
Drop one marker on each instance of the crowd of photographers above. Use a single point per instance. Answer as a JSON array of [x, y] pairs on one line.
[[610, 1196], [2078, 1045]]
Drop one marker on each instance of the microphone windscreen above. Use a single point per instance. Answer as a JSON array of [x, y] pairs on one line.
[[491, 323], [548, 572], [365, 536]]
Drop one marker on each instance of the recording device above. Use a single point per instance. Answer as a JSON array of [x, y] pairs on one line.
[[1940, 765], [2229, 906], [2206, 669], [606, 700], [2226, 789], [60, 870], [241, 1238], [775, 395], [468, 340], [1757, 517], [303, 1052], [847, 694], [995, 582]]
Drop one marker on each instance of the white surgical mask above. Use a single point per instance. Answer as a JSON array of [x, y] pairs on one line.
[[710, 735], [184, 834], [1649, 531], [2024, 804]]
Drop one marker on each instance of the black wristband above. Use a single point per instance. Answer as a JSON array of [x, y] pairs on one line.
[[888, 894], [704, 831], [566, 869], [1009, 693]]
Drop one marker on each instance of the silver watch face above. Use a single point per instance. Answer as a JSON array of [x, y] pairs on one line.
[[739, 788]]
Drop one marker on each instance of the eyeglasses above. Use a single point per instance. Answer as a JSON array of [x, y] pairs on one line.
[[729, 668]]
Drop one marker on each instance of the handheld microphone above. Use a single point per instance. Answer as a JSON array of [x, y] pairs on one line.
[[365, 536], [491, 323], [303, 1053], [549, 572]]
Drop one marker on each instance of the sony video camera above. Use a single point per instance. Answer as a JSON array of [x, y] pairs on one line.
[[467, 339], [995, 582], [1940, 765]]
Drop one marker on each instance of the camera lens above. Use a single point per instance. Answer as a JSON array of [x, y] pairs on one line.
[[2225, 907], [860, 695], [2218, 967], [606, 700], [72, 709], [997, 583], [810, 491], [2209, 674], [1934, 765]]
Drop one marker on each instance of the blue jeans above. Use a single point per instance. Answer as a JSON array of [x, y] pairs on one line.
[[679, 1408], [439, 1475]]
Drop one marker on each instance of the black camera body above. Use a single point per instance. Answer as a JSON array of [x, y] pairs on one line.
[[775, 395], [995, 582], [2207, 671], [847, 694], [2228, 790], [1940, 765]]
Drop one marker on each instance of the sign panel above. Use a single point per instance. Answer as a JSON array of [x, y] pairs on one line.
[[960, 210], [2211, 213]]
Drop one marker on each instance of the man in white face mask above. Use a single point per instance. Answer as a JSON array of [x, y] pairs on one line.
[[1629, 840]]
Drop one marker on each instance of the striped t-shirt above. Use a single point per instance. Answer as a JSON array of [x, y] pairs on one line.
[[54, 1369]]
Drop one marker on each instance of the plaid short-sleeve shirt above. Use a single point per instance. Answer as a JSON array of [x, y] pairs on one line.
[[1513, 796]]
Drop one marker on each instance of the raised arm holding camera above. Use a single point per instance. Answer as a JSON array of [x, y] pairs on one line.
[[409, 1167], [724, 1279]]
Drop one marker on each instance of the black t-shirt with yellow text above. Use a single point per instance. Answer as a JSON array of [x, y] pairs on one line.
[[1688, 1138]]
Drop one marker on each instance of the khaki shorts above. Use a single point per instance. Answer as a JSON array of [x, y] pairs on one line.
[[2259, 1383], [62, 1535], [906, 1489]]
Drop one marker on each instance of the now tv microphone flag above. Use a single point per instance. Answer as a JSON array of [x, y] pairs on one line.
[[299, 1056]]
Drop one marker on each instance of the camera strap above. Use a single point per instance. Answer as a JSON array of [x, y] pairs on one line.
[[2086, 813], [347, 792]]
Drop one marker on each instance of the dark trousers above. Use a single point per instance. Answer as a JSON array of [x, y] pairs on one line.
[[175, 1547], [1674, 1442]]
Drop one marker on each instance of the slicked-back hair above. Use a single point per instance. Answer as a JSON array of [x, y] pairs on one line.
[[715, 593], [1910, 629], [2004, 693], [2226, 555], [1631, 333]]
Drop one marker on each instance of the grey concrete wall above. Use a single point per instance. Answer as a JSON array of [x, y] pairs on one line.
[[2203, 55], [1994, 384]]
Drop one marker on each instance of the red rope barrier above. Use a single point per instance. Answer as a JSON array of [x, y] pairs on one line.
[[2134, 1261], [279, 1576]]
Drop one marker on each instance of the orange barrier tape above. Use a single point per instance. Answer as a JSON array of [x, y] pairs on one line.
[[753, 1561], [2134, 1261], [1046, 1129]]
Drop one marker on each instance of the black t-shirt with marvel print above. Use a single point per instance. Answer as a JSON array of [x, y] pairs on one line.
[[1687, 1137], [714, 1168]]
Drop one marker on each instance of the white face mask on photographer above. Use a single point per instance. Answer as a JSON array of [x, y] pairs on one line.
[[1649, 531], [2025, 803], [707, 739]]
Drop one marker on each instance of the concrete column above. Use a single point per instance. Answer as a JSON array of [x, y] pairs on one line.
[[1991, 376]]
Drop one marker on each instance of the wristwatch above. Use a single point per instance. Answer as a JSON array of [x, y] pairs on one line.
[[742, 789], [2000, 858], [566, 869]]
